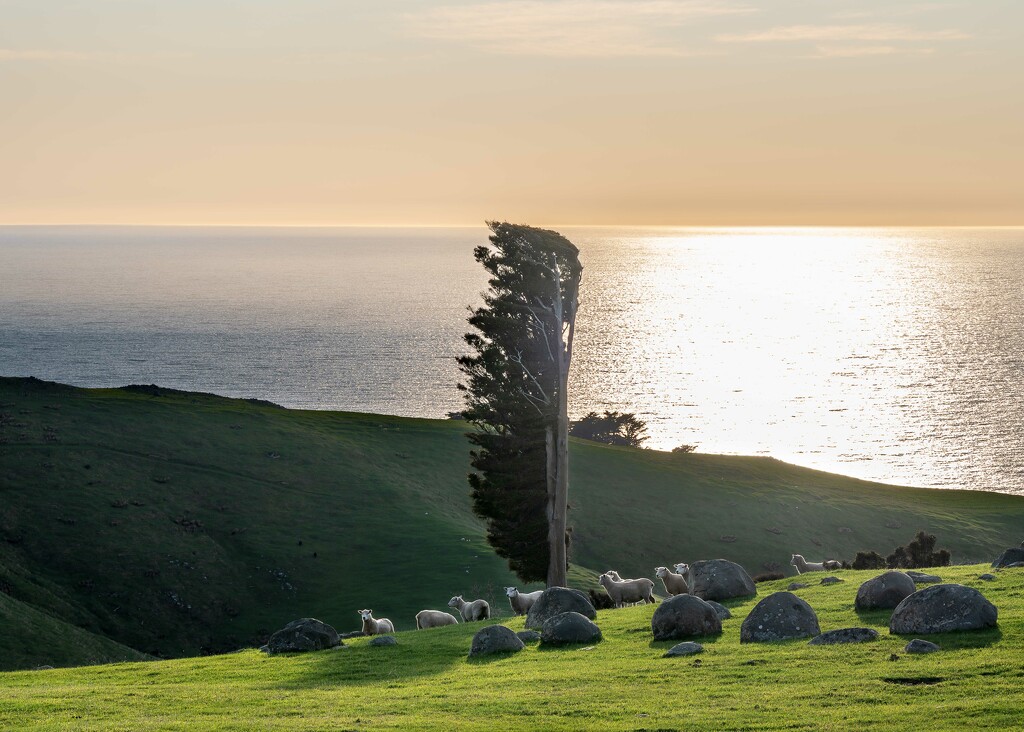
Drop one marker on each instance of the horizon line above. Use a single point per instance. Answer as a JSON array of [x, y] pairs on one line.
[[483, 225]]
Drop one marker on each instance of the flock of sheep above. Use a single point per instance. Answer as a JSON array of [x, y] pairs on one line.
[[622, 592]]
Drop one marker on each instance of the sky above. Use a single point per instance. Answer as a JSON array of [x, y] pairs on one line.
[[442, 112]]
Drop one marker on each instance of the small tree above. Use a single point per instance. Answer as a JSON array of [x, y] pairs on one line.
[[611, 428]]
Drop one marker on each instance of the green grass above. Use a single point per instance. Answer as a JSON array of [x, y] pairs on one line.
[[179, 524], [622, 683]]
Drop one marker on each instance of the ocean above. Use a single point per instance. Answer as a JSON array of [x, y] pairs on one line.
[[887, 354]]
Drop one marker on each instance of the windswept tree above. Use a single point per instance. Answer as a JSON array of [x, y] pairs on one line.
[[516, 384]]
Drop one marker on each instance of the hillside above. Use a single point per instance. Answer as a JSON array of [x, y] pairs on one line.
[[621, 683], [178, 523]]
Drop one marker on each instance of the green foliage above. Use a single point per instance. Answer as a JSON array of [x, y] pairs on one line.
[[918, 553], [683, 449], [611, 428], [869, 560]]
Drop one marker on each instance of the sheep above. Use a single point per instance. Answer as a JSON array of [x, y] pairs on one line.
[[475, 610], [522, 602], [683, 569], [675, 584], [637, 590], [375, 626], [831, 564], [802, 565], [434, 619], [614, 575]]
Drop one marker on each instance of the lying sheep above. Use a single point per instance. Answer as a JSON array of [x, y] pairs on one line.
[[475, 610], [675, 584], [522, 602], [637, 590], [683, 569], [375, 626], [434, 619]]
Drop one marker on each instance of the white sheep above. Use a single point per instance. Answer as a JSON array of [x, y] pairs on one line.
[[375, 626], [802, 565], [637, 590], [521, 602], [683, 569], [475, 610], [434, 619], [675, 584]]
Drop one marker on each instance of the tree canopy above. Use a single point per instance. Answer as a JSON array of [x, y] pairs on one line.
[[611, 428]]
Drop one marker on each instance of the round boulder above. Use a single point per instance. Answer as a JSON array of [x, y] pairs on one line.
[[684, 616], [384, 640], [919, 645], [885, 591], [845, 635], [723, 612], [780, 616], [797, 586], [555, 601], [569, 628], [987, 577], [306, 634], [684, 649], [528, 636], [495, 639], [720, 579], [1011, 556], [922, 578], [943, 608]]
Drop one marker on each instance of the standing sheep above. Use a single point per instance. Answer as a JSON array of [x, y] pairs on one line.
[[375, 626], [475, 610], [434, 619], [802, 565], [683, 569], [637, 590], [522, 602], [675, 584]]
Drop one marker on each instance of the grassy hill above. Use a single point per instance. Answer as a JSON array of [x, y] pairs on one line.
[[177, 523], [621, 683]]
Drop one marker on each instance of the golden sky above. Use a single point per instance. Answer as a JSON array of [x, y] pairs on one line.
[[684, 112]]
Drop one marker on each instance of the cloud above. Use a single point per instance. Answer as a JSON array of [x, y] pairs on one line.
[[11, 54], [855, 51], [568, 28], [876, 32]]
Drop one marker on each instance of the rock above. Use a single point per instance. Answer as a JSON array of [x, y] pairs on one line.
[[720, 579], [830, 581], [922, 578], [568, 628], [1011, 556], [495, 639], [555, 601], [780, 616], [383, 640], [921, 646], [885, 591], [684, 649], [797, 586], [943, 608], [987, 577], [845, 635], [44, 667], [721, 610], [353, 634], [684, 616], [528, 636], [307, 634]]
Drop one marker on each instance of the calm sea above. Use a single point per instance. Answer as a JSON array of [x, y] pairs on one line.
[[889, 354]]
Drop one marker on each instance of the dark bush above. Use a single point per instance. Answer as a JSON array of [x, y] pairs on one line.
[[692, 448], [612, 428], [918, 553], [869, 560]]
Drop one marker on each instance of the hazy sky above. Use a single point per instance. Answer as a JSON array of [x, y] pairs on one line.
[[541, 111]]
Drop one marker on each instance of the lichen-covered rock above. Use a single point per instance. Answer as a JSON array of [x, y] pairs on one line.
[[555, 601], [306, 634], [830, 581], [987, 577], [919, 645], [780, 616], [941, 609], [384, 640], [528, 636], [723, 612], [495, 639], [885, 591], [1011, 556], [845, 635], [684, 616], [793, 586], [687, 648], [720, 579], [567, 629]]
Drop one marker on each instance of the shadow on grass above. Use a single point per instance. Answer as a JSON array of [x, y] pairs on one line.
[[957, 639], [704, 640]]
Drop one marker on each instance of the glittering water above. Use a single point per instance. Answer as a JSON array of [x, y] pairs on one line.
[[889, 354]]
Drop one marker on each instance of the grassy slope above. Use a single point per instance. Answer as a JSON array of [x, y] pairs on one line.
[[173, 523], [622, 683]]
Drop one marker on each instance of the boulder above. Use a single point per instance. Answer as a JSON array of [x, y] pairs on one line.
[[555, 601], [684, 616], [383, 640], [943, 608], [922, 578], [723, 612], [793, 586], [528, 636], [684, 649], [830, 581], [885, 591], [568, 628], [987, 577], [921, 646], [306, 634], [1011, 556], [495, 639], [845, 635], [780, 616], [720, 579]]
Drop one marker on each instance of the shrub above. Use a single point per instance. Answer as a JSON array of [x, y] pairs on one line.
[[612, 428], [869, 560], [918, 553], [684, 449]]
